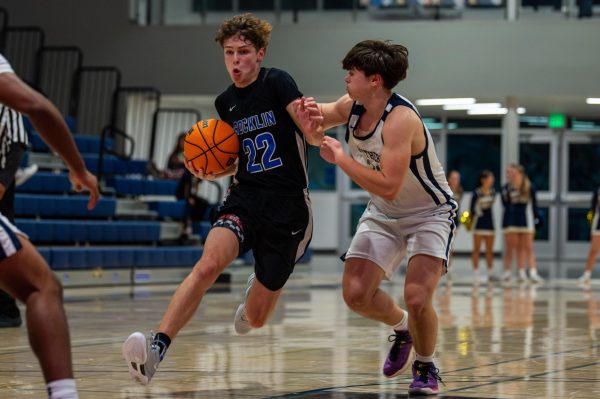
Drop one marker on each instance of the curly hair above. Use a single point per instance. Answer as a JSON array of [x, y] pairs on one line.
[[379, 57], [248, 27]]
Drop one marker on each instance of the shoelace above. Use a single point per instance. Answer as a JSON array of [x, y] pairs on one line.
[[424, 370], [398, 342]]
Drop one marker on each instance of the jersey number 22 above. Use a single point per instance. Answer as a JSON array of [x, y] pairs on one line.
[[266, 161]]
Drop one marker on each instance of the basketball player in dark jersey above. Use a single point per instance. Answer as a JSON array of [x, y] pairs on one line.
[[267, 208]]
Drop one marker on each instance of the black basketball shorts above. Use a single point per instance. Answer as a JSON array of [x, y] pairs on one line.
[[276, 226]]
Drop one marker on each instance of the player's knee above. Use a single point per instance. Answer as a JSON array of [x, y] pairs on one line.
[[207, 270], [53, 288], [416, 301], [356, 297]]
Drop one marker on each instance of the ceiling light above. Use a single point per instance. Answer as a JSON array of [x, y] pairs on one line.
[[592, 100], [444, 101], [487, 111], [457, 107], [493, 111]]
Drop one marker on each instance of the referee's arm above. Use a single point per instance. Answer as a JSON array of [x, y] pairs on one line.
[[44, 116], [48, 121]]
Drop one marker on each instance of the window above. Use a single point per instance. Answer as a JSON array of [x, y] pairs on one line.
[[470, 154], [213, 5], [356, 211], [542, 230], [535, 158], [321, 174], [257, 5], [299, 4], [578, 227], [584, 174]]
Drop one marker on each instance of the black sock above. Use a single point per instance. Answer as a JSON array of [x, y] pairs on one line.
[[163, 341]]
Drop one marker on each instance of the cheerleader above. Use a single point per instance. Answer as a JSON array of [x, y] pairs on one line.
[[519, 220], [594, 218], [482, 202]]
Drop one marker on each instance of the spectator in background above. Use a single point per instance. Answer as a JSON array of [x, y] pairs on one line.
[[520, 219], [187, 188], [176, 162], [594, 218], [482, 203]]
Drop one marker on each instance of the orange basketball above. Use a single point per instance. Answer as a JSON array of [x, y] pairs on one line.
[[211, 145]]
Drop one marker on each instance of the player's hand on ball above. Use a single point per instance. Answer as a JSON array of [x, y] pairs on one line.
[[199, 173]]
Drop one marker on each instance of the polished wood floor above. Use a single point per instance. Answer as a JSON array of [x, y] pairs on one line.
[[516, 341]]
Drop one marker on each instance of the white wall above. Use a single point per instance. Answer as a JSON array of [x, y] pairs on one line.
[[448, 58]]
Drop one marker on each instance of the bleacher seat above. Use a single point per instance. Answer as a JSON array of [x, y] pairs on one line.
[[85, 144], [115, 165], [130, 186], [81, 258], [62, 206], [169, 209], [46, 182]]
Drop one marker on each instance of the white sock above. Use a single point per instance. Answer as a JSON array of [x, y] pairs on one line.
[[586, 274], [424, 359], [533, 272], [522, 274], [506, 274], [403, 324], [62, 389]]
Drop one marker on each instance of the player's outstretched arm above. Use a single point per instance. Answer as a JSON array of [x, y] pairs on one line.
[[315, 118], [48, 121], [398, 132]]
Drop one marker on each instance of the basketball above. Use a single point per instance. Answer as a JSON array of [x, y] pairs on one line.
[[211, 145]]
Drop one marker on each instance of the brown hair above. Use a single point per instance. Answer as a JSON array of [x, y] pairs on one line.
[[484, 175], [379, 57], [248, 28], [525, 188]]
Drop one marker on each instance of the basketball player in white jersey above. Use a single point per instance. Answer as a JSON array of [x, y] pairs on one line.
[[411, 208]]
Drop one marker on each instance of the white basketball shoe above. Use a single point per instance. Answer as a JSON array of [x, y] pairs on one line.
[[240, 321]]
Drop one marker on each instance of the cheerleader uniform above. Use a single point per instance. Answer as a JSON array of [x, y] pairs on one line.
[[520, 211], [481, 211]]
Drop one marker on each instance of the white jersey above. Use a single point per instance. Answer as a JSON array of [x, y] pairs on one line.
[[11, 122], [425, 188], [4, 65]]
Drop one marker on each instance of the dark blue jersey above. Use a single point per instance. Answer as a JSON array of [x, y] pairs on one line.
[[272, 153]]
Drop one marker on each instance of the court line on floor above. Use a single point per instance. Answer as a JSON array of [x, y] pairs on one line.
[[312, 391], [525, 377]]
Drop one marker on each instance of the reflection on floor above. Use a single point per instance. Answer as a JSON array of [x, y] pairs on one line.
[[494, 341]]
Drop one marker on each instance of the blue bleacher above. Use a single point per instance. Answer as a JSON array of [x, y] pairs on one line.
[[46, 182], [62, 206], [169, 209], [92, 231], [130, 186], [85, 144], [82, 258]]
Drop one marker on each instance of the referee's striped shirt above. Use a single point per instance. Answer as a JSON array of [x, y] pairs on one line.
[[11, 122]]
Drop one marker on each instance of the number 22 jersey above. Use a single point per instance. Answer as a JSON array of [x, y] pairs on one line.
[[272, 151]]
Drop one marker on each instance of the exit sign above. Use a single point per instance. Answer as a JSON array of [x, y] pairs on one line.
[[557, 121]]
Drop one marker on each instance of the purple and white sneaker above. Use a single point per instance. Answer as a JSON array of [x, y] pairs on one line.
[[401, 354], [425, 379]]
